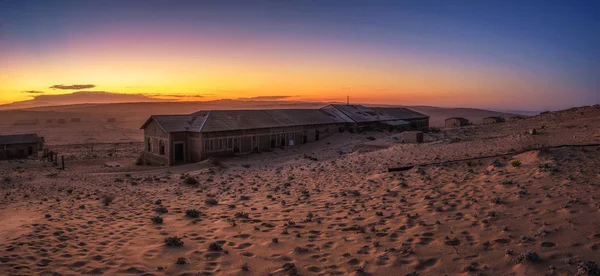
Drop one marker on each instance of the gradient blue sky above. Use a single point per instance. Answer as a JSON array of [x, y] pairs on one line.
[[494, 54]]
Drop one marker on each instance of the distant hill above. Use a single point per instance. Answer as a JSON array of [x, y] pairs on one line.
[[138, 112], [81, 97], [439, 114]]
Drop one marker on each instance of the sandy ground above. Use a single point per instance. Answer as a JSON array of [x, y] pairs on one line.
[[323, 208]]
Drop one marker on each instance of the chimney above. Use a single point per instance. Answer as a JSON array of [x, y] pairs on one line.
[[239, 120], [347, 100]]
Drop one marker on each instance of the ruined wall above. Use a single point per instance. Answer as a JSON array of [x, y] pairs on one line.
[[18, 151], [156, 139], [227, 143]]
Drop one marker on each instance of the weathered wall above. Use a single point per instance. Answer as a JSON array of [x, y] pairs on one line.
[[419, 123], [154, 136], [153, 129], [455, 123], [194, 147], [242, 141], [179, 137], [16, 151]]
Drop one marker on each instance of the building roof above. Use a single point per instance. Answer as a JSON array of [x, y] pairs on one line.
[[401, 113], [227, 120], [171, 123], [359, 114], [396, 123], [223, 120], [19, 139], [457, 118]]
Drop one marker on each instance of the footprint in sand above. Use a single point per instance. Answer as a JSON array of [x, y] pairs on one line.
[[244, 245], [548, 244]]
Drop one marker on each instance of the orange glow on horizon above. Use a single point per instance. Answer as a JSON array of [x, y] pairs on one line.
[[217, 68]]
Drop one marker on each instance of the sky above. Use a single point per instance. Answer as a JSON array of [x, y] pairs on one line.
[[521, 55]]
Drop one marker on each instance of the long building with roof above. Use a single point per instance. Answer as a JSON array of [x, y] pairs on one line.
[[179, 139]]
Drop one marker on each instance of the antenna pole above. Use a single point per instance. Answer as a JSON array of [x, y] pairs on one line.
[[347, 100]]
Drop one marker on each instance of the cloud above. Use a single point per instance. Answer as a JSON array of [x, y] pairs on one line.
[[32, 92], [73, 86], [80, 97], [265, 98], [174, 95]]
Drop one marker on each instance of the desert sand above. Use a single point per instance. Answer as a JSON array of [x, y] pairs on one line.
[[329, 207]]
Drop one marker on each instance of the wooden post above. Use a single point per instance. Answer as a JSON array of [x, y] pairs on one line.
[[63, 162]]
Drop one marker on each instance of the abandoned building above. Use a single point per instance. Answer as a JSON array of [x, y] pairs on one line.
[[493, 120], [456, 122], [179, 139], [412, 137], [20, 146]]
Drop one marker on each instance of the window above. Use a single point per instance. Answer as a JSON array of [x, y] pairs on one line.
[[220, 144], [161, 147], [149, 145]]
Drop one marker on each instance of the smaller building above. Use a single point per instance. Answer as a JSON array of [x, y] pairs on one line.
[[493, 120], [456, 122], [20, 146], [412, 137]]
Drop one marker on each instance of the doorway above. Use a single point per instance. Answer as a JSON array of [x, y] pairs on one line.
[[179, 152], [317, 135]]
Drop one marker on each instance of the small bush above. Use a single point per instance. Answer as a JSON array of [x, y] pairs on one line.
[[213, 246], [588, 268], [192, 213], [161, 210], [211, 201], [173, 241], [157, 220], [515, 163], [299, 249], [191, 181], [181, 261], [242, 215], [107, 199], [529, 256]]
